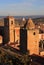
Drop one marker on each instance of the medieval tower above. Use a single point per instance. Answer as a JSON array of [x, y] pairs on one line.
[[9, 31], [32, 38]]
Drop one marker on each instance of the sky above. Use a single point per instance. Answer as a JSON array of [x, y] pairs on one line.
[[21, 7]]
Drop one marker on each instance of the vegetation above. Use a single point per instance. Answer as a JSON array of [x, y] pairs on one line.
[[6, 59]]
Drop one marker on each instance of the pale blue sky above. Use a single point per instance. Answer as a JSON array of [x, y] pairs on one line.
[[21, 7]]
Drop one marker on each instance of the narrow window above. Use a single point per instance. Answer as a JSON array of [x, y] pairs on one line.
[[34, 33], [11, 22]]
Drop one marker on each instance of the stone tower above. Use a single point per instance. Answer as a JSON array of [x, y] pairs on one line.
[[32, 38], [9, 32]]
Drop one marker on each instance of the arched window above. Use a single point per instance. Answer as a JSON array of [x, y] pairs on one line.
[[11, 22], [34, 33]]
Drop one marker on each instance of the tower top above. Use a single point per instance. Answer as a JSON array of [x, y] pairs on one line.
[[30, 24], [10, 17], [23, 19]]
